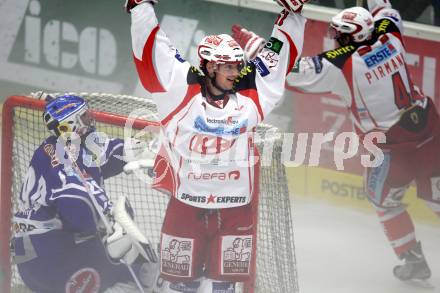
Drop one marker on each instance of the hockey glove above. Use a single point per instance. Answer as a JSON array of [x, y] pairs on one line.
[[292, 5], [374, 5], [250, 42], [139, 154], [130, 4], [40, 95]]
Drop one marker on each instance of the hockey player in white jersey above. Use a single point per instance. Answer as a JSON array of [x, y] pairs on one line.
[[368, 71], [209, 163], [68, 235]]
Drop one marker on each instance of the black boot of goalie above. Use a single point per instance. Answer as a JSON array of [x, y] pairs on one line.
[[415, 266]]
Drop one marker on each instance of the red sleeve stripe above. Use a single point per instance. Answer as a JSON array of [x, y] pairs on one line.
[[399, 36], [145, 67], [375, 12], [285, 4], [253, 95], [193, 90], [347, 70], [293, 52]]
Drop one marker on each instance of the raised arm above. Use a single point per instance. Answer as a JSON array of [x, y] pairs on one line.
[[160, 67], [318, 75], [273, 61], [382, 9]]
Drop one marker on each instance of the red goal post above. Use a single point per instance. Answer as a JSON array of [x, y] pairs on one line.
[[23, 130]]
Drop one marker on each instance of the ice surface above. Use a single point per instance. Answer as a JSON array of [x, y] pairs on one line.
[[340, 250]]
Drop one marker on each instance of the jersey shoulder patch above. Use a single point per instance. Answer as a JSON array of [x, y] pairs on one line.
[[339, 56], [383, 26], [195, 76], [246, 79]]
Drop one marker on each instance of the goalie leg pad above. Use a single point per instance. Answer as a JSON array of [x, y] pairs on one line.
[[122, 248], [149, 274]]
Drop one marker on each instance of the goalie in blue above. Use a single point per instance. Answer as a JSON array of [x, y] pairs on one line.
[[67, 237]]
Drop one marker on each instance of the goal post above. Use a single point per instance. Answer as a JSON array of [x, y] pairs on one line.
[[23, 131]]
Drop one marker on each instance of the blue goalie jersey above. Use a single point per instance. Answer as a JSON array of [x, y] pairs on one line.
[[55, 231]]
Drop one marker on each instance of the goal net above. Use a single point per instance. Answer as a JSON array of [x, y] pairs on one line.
[[23, 132]]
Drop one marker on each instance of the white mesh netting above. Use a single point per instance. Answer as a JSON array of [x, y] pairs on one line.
[[276, 267]]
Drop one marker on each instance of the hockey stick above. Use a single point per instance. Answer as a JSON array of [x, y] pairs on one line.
[[97, 207]]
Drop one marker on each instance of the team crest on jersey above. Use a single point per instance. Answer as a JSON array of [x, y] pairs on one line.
[[236, 254], [176, 255], [86, 280], [210, 144], [380, 55]]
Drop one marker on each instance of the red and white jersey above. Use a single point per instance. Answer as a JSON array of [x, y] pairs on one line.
[[211, 149], [373, 80], [386, 11]]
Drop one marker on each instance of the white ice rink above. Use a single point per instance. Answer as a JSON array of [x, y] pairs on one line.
[[339, 250]]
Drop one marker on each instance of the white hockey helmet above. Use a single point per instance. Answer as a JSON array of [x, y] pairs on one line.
[[67, 114], [356, 22], [220, 49]]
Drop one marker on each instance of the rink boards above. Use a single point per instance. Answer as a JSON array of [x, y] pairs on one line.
[[345, 189]]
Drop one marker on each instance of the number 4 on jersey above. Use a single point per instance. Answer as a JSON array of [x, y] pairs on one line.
[[401, 96]]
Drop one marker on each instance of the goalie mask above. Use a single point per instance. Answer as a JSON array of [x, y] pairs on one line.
[[352, 25], [68, 114]]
